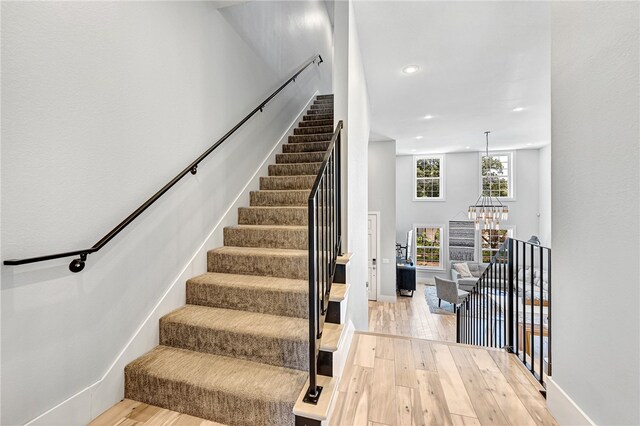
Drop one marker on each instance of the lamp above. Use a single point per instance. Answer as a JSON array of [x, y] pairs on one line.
[[488, 211]]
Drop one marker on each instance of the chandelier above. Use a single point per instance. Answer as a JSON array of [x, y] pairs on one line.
[[488, 211]]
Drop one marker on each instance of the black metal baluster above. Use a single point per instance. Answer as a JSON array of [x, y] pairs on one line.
[[532, 302], [524, 306], [541, 314], [516, 342], [312, 392], [549, 353]]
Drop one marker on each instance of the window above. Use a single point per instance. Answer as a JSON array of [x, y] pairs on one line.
[[492, 240], [497, 175], [429, 246], [428, 172]]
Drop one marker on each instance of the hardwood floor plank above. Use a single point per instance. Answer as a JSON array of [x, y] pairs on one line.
[[404, 364], [356, 397], [455, 392], [484, 403], [404, 407], [435, 410], [366, 351], [383, 397], [422, 356], [384, 347], [464, 420], [116, 413]]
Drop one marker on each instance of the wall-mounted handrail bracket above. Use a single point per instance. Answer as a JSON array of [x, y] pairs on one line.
[[78, 264]]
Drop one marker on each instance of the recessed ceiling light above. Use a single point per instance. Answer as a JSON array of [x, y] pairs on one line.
[[518, 109], [413, 150], [467, 147], [428, 117], [410, 69], [419, 137], [529, 144]]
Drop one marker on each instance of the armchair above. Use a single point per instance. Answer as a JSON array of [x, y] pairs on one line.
[[448, 291]]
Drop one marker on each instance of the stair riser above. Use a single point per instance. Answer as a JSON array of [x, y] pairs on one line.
[[271, 216], [252, 299], [316, 123], [311, 157], [294, 169], [295, 267], [280, 238], [290, 148], [322, 137], [257, 348], [286, 182], [205, 404], [312, 130], [317, 117], [321, 97], [279, 198]]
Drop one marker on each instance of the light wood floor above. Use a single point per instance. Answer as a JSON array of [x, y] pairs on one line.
[[130, 413], [403, 381], [410, 317]]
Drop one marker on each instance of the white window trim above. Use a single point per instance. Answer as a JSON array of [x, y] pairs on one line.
[[511, 234], [442, 196], [512, 173], [443, 246]]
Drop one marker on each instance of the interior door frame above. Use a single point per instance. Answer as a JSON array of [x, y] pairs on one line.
[[378, 260]]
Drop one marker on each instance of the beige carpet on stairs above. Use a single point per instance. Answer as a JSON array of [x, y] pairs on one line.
[[237, 353]]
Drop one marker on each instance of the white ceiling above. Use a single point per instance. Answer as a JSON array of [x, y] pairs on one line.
[[478, 61]]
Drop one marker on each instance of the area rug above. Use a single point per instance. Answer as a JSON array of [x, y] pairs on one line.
[[432, 302]]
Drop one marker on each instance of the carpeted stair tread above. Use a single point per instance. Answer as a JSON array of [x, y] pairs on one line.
[[271, 262], [300, 157], [287, 182], [313, 130], [315, 123], [267, 236], [318, 137], [213, 387], [296, 197], [316, 117], [294, 169], [267, 295], [269, 339], [269, 215], [320, 111], [290, 148]]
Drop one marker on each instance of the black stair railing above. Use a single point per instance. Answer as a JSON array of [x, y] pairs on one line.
[[324, 248], [510, 306], [78, 264]]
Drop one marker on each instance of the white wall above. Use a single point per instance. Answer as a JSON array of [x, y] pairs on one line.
[[462, 177], [382, 198], [352, 105], [596, 195], [544, 207], [102, 104]]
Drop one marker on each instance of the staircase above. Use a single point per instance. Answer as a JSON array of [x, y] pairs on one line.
[[238, 352]]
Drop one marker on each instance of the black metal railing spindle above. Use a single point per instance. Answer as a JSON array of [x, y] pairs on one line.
[[324, 230], [501, 309]]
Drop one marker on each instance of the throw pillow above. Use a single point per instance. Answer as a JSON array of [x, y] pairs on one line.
[[462, 269]]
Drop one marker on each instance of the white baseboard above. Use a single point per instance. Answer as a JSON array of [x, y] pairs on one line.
[[387, 298], [563, 408], [92, 401]]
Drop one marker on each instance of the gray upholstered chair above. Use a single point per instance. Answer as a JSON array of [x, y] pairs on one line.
[[448, 291]]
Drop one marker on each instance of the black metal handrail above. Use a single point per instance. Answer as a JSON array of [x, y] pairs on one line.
[[78, 264], [325, 233], [510, 306]]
